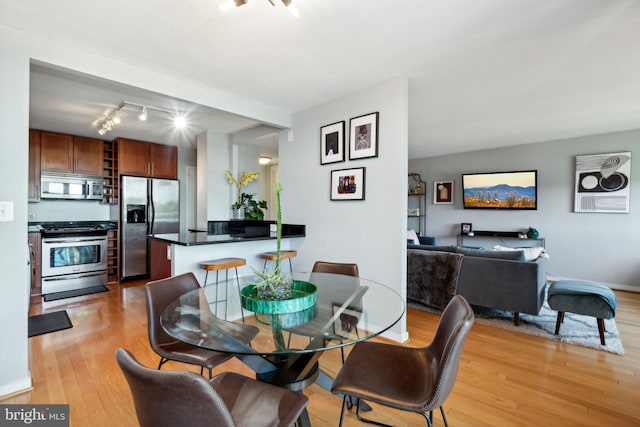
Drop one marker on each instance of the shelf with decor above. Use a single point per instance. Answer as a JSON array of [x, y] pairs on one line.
[[112, 255], [417, 204], [110, 173]]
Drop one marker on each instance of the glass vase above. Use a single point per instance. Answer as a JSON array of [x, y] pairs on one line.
[[237, 213]]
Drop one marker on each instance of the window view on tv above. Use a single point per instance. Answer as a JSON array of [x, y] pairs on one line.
[[500, 190]]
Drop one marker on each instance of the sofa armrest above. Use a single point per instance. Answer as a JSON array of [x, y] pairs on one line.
[[516, 286], [432, 276]]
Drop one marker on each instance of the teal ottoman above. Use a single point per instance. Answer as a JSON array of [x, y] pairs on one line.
[[582, 297]]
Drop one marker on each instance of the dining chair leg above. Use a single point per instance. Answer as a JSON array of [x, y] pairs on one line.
[[429, 418], [162, 362], [367, 420], [444, 417], [344, 405]]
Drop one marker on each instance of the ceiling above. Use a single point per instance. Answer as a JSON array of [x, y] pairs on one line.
[[482, 73]]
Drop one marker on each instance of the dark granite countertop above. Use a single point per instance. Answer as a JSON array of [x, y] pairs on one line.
[[232, 232]]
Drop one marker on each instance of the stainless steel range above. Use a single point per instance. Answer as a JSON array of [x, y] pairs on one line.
[[74, 256]]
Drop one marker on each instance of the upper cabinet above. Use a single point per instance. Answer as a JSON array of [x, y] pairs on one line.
[[148, 159], [71, 154]]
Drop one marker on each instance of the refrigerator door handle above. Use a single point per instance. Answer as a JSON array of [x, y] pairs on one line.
[[151, 209]]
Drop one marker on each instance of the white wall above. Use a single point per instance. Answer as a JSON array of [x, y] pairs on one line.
[[370, 233], [14, 137], [589, 246]]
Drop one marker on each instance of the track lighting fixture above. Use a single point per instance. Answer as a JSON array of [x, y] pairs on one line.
[[113, 118], [230, 4]]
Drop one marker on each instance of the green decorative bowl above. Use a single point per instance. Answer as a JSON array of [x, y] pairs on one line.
[[304, 297], [288, 320]]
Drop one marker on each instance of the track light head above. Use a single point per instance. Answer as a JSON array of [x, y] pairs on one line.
[[143, 114], [180, 122]]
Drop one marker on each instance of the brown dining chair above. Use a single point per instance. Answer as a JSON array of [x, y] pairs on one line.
[[410, 379], [345, 269], [174, 398], [159, 294]]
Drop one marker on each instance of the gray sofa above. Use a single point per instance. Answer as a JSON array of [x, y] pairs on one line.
[[494, 279]]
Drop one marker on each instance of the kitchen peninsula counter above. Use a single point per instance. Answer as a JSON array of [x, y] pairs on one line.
[[232, 232], [177, 253]]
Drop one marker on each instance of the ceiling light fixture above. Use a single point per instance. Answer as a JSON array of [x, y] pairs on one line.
[[230, 4], [264, 160], [107, 122]]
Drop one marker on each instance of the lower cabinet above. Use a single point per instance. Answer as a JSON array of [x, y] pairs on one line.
[[35, 253], [160, 263]]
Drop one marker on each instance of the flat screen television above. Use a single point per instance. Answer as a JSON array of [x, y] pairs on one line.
[[500, 190]]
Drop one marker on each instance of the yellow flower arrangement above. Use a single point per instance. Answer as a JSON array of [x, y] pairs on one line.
[[245, 179]]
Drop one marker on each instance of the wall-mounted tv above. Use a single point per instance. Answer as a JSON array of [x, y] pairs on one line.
[[500, 190]]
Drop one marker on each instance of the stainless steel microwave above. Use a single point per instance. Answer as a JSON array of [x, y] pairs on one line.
[[78, 187]]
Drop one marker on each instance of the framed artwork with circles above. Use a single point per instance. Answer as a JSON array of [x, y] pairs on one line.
[[603, 182]]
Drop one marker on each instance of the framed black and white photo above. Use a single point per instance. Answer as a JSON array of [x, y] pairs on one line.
[[363, 141], [443, 192], [465, 228], [332, 143], [348, 184]]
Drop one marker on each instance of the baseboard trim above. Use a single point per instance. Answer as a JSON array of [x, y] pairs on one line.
[[15, 388]]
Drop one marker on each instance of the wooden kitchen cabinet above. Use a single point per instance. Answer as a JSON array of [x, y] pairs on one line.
[[160, 263], [89, 155], [164, 161], [62, 153], [35, 252], [141, 158], [33, 193]]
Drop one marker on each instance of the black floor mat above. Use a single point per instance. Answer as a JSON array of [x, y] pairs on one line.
[[75, 293], [49, 322]]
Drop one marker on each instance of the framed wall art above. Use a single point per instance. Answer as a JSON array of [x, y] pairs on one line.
[[332, 143], [466, 228], [443, 192], [348, 184], [603, 183], [363, 141]]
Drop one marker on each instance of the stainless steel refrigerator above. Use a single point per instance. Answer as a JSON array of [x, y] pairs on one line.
[[147, 206]]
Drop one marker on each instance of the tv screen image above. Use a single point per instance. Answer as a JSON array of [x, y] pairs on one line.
[[501, 190]]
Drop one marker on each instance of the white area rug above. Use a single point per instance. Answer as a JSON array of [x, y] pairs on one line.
[[576, 329]]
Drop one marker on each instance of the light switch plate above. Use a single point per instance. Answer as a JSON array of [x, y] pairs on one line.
[[6, 211]]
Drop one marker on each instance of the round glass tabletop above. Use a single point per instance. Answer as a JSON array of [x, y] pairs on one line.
[[347, 310]]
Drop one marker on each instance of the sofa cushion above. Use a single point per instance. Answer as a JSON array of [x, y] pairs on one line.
[[433, 248], [530, 253], [412, 237], [514, 255], [427, 240]]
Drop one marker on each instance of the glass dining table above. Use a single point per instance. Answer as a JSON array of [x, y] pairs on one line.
[[286, 347]]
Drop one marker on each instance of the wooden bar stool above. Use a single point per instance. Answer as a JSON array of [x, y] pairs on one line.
[[273, 256], [224, 264]]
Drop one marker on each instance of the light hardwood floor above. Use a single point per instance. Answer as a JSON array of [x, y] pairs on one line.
[[505, 378]]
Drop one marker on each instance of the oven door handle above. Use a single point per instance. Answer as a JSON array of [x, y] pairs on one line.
[[79, 240], [73, 276]]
